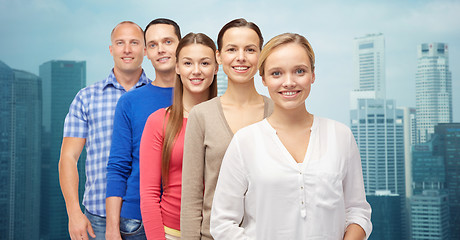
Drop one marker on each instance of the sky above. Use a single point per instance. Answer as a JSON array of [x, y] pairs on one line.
[[36, 31]]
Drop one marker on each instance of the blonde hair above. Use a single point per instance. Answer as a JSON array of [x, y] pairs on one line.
[[283, 39]]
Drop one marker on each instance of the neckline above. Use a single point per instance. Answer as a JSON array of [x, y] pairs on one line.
[[283, 148], [221, 112]]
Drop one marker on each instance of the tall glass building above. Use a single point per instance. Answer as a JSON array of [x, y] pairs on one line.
[[61, 82], [20, 153], [433, 88], [368, 68], [448, 147], [386, 216]]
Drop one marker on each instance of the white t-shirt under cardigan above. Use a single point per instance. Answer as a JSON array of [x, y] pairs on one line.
[[263, 193]]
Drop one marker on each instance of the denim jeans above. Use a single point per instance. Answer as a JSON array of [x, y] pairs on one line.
[[132, 229], [98, 225]]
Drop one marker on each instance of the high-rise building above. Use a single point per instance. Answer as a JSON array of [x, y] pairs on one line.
[[428, 168], [386, 216], [377, 126], [61, 82], [222, 81], [20, 153], [409, 140], [368, 68], [448, 137], [430, 216], [433, 88], [378, 129]]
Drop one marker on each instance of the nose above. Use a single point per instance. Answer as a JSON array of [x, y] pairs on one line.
[[161, 48], [241, 55], [289, 81], [196, 70], [127, 48]]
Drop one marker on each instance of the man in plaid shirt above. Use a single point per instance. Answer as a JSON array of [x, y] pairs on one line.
[[89, 123]]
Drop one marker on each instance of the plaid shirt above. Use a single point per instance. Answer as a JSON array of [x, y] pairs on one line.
[[91, 116]]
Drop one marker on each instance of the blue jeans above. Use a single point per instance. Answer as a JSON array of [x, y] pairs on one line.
[[98, 225], [132, 229]]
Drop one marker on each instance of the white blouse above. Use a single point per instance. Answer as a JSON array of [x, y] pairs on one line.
[[263, 193]]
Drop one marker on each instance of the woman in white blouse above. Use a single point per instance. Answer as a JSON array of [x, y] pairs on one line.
[[293, 175]]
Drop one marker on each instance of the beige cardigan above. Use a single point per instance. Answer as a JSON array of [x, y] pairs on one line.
[[207, 137]]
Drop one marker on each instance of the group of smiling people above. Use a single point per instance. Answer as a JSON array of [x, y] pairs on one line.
[[242, 165]]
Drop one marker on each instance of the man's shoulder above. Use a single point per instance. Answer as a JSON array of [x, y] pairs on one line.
[[91, 89]]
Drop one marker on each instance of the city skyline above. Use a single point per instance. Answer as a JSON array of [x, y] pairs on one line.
[[80, 31]]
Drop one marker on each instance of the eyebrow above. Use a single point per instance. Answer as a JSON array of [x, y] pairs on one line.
[[201, 59], [234, 45]]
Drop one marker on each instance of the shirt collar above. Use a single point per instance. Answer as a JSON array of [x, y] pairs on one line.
[[112, 80]]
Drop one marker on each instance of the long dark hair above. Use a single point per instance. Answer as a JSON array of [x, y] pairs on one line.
[[176, 110]]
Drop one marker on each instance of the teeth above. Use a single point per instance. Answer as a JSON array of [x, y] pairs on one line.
[[240, 68], [195, 80], [288, 93], [127, 58], [163, 59]]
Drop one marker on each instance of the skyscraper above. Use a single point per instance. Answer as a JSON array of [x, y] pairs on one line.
[[430, 216], [409, 140], [222, 81], [20, 152], [61, 82], [378, 129], [428, 168], [448, 135], [386, 216], [433, 89], [368, 68]]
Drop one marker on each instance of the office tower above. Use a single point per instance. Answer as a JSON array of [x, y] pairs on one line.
[[61, 82], [386, 215], [378, 129], [377, 126], [433, 88], [20, 151], [448, 135], [368, 68], [409, 140], [222, 81], [430, 216], [428, 169]]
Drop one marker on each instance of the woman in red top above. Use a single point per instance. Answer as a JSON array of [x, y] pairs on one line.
[[162, 141]]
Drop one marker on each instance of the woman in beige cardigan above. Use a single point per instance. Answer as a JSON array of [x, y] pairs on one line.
[[211, 125]]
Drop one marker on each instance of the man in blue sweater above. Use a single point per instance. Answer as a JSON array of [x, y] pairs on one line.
[[123, 199]]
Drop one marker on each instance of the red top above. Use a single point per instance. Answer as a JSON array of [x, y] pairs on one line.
[[157, 209]]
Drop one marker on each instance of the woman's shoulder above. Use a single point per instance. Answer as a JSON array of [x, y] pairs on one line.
[[330, 124], [157, 116], [204, 106]]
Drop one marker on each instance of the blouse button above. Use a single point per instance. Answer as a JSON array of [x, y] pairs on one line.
[[301, 187]]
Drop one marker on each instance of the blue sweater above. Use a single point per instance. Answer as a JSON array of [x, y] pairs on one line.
[[131, 113]]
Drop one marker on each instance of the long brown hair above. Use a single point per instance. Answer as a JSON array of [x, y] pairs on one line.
[[176, 110]]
